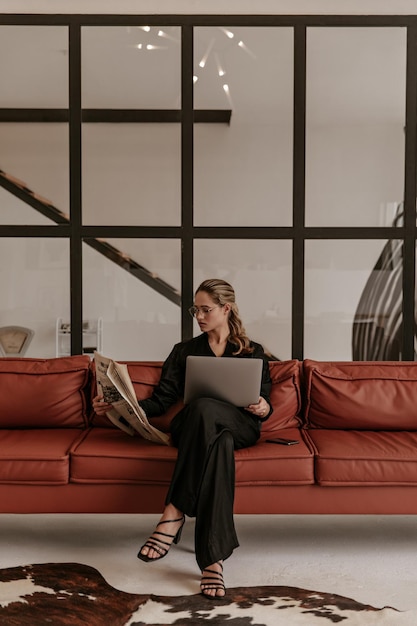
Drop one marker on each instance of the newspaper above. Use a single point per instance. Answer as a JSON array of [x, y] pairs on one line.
[[114, 384]]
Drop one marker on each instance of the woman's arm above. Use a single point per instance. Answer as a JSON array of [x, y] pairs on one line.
[[170, 386], [263, 408]]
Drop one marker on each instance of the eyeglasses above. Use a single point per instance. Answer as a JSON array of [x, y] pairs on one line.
[[205, 310]]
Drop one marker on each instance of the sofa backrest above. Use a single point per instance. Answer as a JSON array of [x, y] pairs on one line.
[[44, 393], [285, 395], [361, 395], [55, 393]]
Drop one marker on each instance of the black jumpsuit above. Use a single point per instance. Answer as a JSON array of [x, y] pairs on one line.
[[206, 433]]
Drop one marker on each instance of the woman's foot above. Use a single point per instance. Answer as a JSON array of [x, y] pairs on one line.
[[212, 583], [167, 531]]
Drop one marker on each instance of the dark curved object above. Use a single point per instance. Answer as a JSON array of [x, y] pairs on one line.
[[377, 324]]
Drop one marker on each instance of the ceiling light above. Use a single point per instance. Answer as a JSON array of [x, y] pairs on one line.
[[220, 70], [195, 79], [162, 33], [206, 54], [150, 46], [145, 28], [228, 33], [246, 49], [139, 46], [227, 92]]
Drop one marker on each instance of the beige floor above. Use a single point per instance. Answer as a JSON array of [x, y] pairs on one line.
[[372, 559]]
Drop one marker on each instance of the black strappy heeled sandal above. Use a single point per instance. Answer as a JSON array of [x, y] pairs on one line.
[[213, 581], [157, 544]]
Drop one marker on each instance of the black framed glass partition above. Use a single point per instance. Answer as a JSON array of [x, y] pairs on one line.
[[141, 154]]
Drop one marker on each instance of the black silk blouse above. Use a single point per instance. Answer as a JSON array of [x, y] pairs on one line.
[[171, 385]]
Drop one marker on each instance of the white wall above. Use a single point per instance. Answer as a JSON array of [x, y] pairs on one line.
[[292, 7]]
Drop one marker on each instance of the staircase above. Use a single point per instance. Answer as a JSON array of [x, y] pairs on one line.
[[20, 190]]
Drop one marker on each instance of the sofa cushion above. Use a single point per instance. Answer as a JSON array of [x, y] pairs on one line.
[[106, 456], [275, 464], [361, 395], [38, 456], [44, 393], [285, 395], [109, 456], [365, 457]]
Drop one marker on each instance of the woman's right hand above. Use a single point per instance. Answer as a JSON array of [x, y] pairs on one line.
[[100, 407]]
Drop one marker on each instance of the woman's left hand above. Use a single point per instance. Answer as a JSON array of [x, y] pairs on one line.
[[100, 407], [260, 409]]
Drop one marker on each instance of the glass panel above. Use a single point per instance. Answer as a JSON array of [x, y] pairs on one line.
[[34, 66], [138, 322], [243, 171], [34, 163], [132, 174], [15, 211], [353, 300], [260, 272], [35, 290], [355, 125], [126, 67]]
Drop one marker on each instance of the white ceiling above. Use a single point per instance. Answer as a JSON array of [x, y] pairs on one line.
[[217, 7], [354, 75]]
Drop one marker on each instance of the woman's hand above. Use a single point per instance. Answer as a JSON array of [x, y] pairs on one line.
[[260, 409], [101, 407]]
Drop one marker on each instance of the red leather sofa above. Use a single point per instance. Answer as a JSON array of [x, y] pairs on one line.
[[356, 423]]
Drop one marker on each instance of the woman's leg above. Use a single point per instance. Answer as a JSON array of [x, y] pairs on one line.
[[207, 432], [215, 534]]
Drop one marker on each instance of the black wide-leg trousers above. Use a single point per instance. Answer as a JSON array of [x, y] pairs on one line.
[[206, 433]]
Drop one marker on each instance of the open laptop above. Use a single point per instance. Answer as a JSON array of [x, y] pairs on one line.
[[234, 380]]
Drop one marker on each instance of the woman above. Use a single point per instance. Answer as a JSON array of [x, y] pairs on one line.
[[206, 433]]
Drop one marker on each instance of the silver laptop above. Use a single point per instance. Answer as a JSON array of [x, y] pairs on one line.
[[234, 380]]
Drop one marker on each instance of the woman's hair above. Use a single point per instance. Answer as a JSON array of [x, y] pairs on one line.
[[222, 293]]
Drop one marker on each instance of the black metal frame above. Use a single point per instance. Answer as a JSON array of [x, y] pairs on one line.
[[187, 232]]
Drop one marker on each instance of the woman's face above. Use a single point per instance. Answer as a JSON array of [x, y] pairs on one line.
[[210, 316]]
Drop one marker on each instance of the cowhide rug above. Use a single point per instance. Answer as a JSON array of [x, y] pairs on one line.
[[70, 593]]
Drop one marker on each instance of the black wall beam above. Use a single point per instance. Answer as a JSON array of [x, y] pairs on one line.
[[187, 179], [115, 116], [299, 127], [232, 20], [75, 188], [409, 261]]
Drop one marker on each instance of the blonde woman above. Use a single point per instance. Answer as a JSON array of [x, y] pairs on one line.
[[206, 433]]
